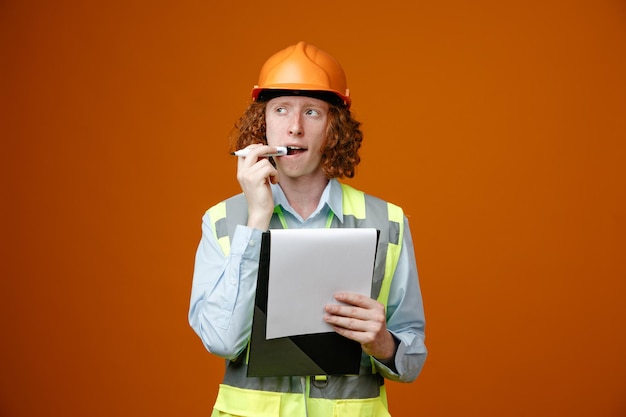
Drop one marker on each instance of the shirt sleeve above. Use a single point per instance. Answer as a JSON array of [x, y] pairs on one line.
[[223, 290], [405, 316]]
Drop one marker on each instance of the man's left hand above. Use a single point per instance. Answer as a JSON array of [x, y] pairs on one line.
[[362, 320]]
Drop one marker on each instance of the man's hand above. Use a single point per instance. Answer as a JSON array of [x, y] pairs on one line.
[[362, 320], [255, 173]]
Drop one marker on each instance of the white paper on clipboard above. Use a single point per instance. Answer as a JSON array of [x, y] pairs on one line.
[[307, 266]]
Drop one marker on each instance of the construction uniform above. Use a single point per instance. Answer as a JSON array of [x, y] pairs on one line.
[[223, 294]]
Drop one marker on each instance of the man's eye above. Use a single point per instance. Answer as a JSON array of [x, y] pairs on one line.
[[312, 112], [280, 110]]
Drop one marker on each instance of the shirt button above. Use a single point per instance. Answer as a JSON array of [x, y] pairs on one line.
[[233, 281], [252, 243]]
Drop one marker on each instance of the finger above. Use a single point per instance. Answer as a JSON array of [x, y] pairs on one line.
[[347, 311], [274, 178], [254, 172], [256, 152], [355, 299], [346, 323], [357, 336]]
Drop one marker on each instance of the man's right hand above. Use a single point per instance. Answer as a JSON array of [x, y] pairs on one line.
[[255, 173]]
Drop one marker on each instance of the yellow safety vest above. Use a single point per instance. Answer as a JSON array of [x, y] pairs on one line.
[[361, 395]]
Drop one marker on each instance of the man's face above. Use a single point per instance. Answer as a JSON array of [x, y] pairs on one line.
[[299, 123]]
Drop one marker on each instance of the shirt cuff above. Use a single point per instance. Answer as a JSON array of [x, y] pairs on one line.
[[390, 364], [247, 243]]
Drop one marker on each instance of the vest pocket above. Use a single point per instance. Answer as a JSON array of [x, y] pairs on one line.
[[367, 407], [240, 402], [247, 403]]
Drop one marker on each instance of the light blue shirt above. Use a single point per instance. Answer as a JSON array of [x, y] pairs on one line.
[[224, 287]]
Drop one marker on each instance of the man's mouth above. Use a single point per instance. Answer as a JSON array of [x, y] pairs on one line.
[[292, 150]]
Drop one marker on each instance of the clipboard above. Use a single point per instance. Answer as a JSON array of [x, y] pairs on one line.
[[321, 353]]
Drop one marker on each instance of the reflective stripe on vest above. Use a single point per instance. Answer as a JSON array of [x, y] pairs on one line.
[[359, 210], [355, 205]]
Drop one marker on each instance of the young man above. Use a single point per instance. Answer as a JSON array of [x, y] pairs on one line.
[[301, 102]]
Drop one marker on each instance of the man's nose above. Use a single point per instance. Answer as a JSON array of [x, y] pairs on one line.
[[295, 127]]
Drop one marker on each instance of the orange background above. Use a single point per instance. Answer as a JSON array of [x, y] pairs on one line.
[[499, 126]]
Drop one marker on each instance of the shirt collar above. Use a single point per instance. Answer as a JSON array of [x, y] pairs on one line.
[[332, 196]]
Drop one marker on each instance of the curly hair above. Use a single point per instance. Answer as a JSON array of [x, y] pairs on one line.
[[340, 152]]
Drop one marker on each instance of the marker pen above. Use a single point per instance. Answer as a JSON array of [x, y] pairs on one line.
[[280, 151]]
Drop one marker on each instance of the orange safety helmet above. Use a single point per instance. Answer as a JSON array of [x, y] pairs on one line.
[[302, 69]]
